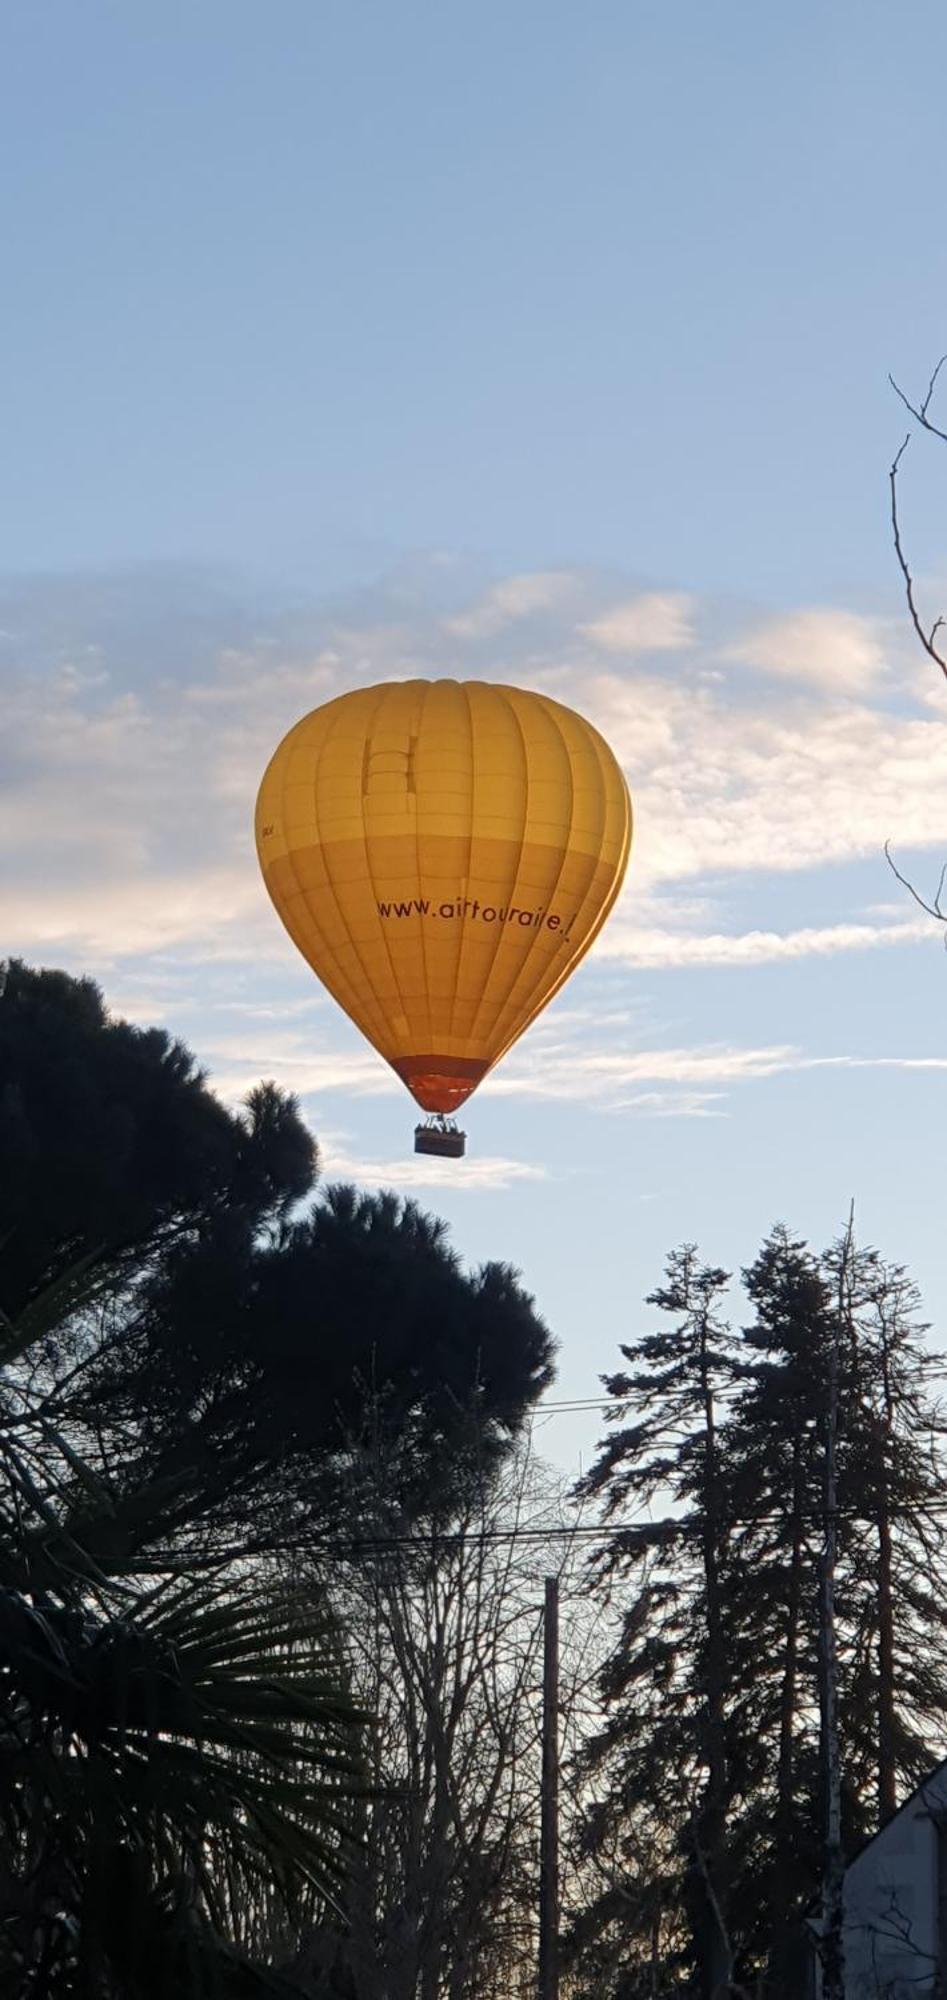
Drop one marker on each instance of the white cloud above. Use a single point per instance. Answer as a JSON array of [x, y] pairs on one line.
[[680, 1082], [416, 1172], [566, 1071], [578, 1054], [838, 651], [238, 1061], [655, 622], [129, 813], [129, 808], [515, 598], [875, 1062], [212, 912], [578, 1074], [672, 1103], [722, 789], [622, 941]]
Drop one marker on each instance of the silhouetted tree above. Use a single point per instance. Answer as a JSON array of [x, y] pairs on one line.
[[180, 1759], [113, 1147], [755, 1476], [664, 1746], [184, 1352], [231, 1340]]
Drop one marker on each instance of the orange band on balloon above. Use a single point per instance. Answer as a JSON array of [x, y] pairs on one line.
[[440, 1083]]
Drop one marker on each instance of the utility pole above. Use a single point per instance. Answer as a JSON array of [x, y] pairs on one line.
[[549, 1823]]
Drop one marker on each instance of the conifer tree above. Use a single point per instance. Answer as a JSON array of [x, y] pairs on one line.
[[666, 1686], [708, 1783], [891, 1503]]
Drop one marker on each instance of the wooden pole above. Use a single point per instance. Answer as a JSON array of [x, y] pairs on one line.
[[549, 1821]]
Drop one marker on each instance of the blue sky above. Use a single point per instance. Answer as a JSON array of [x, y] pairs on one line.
[[544, 343]]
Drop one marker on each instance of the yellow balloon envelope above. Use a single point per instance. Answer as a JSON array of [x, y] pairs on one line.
[[443, 854]]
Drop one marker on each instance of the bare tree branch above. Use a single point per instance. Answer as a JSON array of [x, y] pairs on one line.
[[927, 639], [445, 1628], [920, 413], [934, 909]]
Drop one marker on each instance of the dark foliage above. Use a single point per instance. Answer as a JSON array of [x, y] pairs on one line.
[[188, 1361], [241, 1347], [711, 1749], [267, 1352], [111, 1144]]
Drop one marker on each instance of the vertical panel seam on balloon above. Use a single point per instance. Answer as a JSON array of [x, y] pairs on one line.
[[428, 1035], [608, 905], [530, 942], [607, 758], [537, 1006], [476, 1030], [465, 690], [552, 710], [324, 851], [530, 1007], [383, 693], [460, 890], [326, 846], [304, 896], [455, 927], [579, 953]]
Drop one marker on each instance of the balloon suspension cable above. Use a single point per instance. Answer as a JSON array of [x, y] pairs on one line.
[[441, 1136]]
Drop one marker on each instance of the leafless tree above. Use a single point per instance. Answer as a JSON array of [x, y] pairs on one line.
[[935, 907], [444, 1620], [929, 634]]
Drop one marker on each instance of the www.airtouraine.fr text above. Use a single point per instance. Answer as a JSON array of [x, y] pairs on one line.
[[484, 913]]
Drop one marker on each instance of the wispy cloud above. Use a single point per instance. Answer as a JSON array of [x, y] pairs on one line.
[[680, 1081], [919, 1063], [565, 1071], [292, 1060], [835, 650], [211, 912], [515, 598], [655, 622], [624, 942], [416, 1172], [581, 1066], [588, 1056], [127, 794], [725, 788], [582, 1055]]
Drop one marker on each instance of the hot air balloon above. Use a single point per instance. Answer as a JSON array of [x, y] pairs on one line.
[[443, 854]]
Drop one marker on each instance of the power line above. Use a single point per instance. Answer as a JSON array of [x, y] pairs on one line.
[[352, 1546], [580, 1403], [577, 1404]]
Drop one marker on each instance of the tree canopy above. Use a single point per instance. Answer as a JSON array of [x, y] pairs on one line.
[[111, 1144], [192, 1344], [243, 1335], [705, 1781]]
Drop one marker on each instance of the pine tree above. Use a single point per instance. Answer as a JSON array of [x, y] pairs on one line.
[[709, 1782], [891, 1498], [664, 1746], [776, 1456]]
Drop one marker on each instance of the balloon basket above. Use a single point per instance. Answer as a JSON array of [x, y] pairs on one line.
[[441, 1137]]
